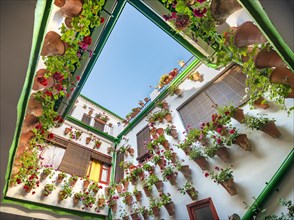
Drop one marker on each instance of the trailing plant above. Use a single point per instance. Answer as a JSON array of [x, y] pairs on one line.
[[167, 171], [188, 186], [66, 191], [195, 153], [222, 175], [48, 188], [154, 203], [257, 122], [211, 150], [147, 167], [88, 200], [165, 198], [125, 195]]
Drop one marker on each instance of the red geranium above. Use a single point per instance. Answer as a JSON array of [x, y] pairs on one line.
[[58, 87], [102, 20], [42, 80], [50, 136], [87, 40], [58, 76]]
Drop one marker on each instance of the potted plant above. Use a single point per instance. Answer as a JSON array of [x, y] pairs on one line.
[[60, 177], [112, 203], [65, 192], [264, 124], [137, 194], [175, 90], [131, 151], [48, 188], [94, 187], [67, 130], [159, 185], [72, 180], [149, 168], [217, 149], [184, 169], [88, 139], [189, 189], [77, 197], [162, 140], [127, 198], [125, 182], [86, 182], [170, 155], [135, 213], [147, 185], [123, 150], [166, 200], [171, 131], [139, 172], [78, 134], [155, 205], [101, 201], [231, 111], [141, 103], [46, 172], [88, 200], [199, 158], [162, 104], [225, 178], [196, 77], [110, 149], [234, 137], [170, 174], [158, 160], [167, 115], [144, 212]]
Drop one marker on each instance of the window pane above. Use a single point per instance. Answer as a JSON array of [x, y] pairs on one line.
[[203, 213], [143, 137], [119, 172], [94, 170], [98, 125], [86, 119]]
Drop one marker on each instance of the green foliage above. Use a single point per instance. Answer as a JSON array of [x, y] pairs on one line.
[[195, 153], [48, 188], [165, 198], [188, 186], [257, 122], [222, 175]]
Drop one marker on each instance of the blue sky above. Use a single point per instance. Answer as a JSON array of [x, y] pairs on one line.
[[136, 54]]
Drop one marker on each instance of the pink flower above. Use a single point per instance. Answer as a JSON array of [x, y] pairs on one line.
[[78, 78], [232, 131], [201, 1]]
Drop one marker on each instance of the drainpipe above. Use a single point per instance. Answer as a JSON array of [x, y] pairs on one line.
[[272, 185]]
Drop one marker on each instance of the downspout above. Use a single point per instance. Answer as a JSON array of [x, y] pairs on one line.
[[271, 185]]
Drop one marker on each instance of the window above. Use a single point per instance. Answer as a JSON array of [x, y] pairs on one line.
[[143, 137], [86, 119], [202, 210], [98, 125], [105, 174], [228, 88], [119, 172], [75, 160]]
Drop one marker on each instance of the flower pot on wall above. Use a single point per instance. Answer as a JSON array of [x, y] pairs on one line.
[[165, 144], [282, 75], [118, 188], [223, 154], [159, 131], [192, 193], [101, 202], [125, 217], [30, 122], [271, 129], [113, 207], [159, 185], [40, 82], [238, 115], [25, 138], [126, 184], [186, 171], [135, 216], [67, 130], [53, 45], [160, 163], [268, 58], [168, 118], [243, 142], [202, 162], [76, 200], [174, 133], [147, 191], [259, 103], [248, 34], [170, 207], [222, 9], [230, 186], [72, 8], [145, 214], [141, 176], [156, 211], [67, 22], [172, 178], [86, 184], [178, 92], [129, 200], [174, 157], [291, 94], [138, 196]]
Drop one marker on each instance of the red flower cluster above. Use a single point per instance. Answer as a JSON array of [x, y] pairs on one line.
[[199, 13], [50, 136], [58, 76], [102, 20], [87, 40], [42, 80]]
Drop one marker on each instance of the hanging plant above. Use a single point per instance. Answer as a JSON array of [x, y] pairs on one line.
[[97, 144], [48, 188], [65, 192], [189, 189]]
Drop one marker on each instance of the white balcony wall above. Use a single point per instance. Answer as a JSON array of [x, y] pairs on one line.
[[251, 169]]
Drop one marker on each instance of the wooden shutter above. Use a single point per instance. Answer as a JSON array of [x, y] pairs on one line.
[[197, 110], [98, 125], [143, 137], [119, 172], [75, 160], [86, 119]]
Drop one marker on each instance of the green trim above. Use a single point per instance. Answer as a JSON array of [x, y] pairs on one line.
[[100, 106], [152, 16], [52, 209], [96, 53], [112, 175], [161, 96], [87, 127], [42, 12], [254, 8], [271, 185]]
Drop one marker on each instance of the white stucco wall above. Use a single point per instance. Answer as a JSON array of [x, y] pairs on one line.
[[251, 169]]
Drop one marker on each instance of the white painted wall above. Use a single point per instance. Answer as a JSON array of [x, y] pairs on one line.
[[251, 169], [79, 111]]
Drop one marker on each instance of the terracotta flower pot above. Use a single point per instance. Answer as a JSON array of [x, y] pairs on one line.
[[230, 186], [172, 178], [44, 176], [101, 202], [202, 163], [178, 92], [159, 131], [28, 190], [291, 94], [30, 122], [125, 217], [75, 200], [138, 196], [72, 183], [106, 191], [243, 142], [141, 176], [170, 207], [40, 82], [135, 216], [53, 45], [156, 211], [129, 200], [145, 215], [148, 192], [268, 58], [159, 185], [131, 151], [192, 193], [134, 180], [174, 133], [126, 184], [113, 207], [197, 77], [160, 163], [223, 154], [168, 118], [165, 144], [67, 130], [26, 137], [222, 9], [248, 34], [86, 184], [118, 188], [34, 106], [258, 103], [72, 8], [88, 139], [282, 75], [271, 129], [174, 157], [186, 171], [238, 115], [187, 150], [59, 178], [67, 22]]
